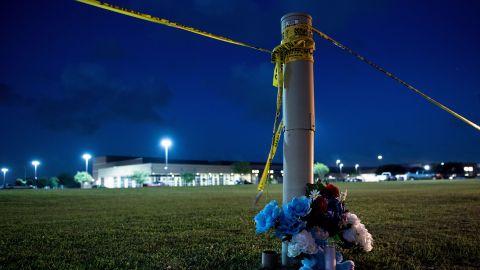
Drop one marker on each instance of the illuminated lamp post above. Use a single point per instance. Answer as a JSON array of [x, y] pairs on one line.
[[35, 164], [166, 143], [4, 170], [356, 168], [87, 157]]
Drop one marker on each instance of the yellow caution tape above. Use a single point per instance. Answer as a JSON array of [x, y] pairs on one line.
[[297, 44], [271, 155], [377, 67], [166, 22]]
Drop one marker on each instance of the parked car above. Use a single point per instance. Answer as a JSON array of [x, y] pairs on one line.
[[419, 175], [454, 176], [357, 178], [10, 186], [156, 184], [386, 176]]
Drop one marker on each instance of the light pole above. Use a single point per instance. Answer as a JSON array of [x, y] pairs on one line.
[[379, 157], [166, 143], [338, 162], [4, 170], [87, 157], [341, 166], [35, 164], [356, 168]]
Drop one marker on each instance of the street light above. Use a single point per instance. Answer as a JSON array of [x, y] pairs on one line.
[[356, 168], [338, 162], [427, 167], [35, 164], [4, 170], [86, 157], [380, 157], [341, 166], [166, 143]]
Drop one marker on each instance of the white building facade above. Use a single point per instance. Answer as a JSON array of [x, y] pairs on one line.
[[117, 172]]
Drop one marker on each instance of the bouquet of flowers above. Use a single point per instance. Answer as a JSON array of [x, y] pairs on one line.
[[308, 223]]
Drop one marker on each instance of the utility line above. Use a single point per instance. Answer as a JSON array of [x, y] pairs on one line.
[[377, 67]]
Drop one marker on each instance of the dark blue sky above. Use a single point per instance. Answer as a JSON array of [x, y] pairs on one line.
[[75, 78]]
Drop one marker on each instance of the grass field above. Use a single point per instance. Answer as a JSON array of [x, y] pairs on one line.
[[416, 225]]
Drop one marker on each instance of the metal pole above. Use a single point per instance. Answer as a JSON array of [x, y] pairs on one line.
[[166, 157], [298, 111]]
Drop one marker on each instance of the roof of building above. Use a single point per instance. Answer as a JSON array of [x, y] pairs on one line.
[[129, 160]]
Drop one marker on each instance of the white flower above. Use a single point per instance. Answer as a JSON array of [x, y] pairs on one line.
[[302, 242], [352, 219], [364, 238], [358, 233], [314, 194]]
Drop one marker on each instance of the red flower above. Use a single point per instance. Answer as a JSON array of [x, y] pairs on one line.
[[317, 214], [333, 190], [320, 205]]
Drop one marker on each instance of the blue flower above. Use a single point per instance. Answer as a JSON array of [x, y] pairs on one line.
[[297, 207], [267, 217], [308, 264], [289, 225]]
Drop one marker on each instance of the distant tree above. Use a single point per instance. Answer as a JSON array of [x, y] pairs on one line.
[[20, 182], [450, 168], [241, 167], [188, 177], [42, 182], [67, 180], [83, 177], [320, 170], [45, 182], [392, 168], [30, 181], [53, 182], [140, 177]]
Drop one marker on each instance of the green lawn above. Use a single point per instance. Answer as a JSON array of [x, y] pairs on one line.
[[415, 224]]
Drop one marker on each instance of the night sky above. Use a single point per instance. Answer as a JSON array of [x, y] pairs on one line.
[[75, 79]]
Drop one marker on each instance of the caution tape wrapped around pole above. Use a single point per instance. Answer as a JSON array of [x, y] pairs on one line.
[[293, 47]]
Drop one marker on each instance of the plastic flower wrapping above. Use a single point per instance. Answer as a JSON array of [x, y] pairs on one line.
[[309, 223]]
